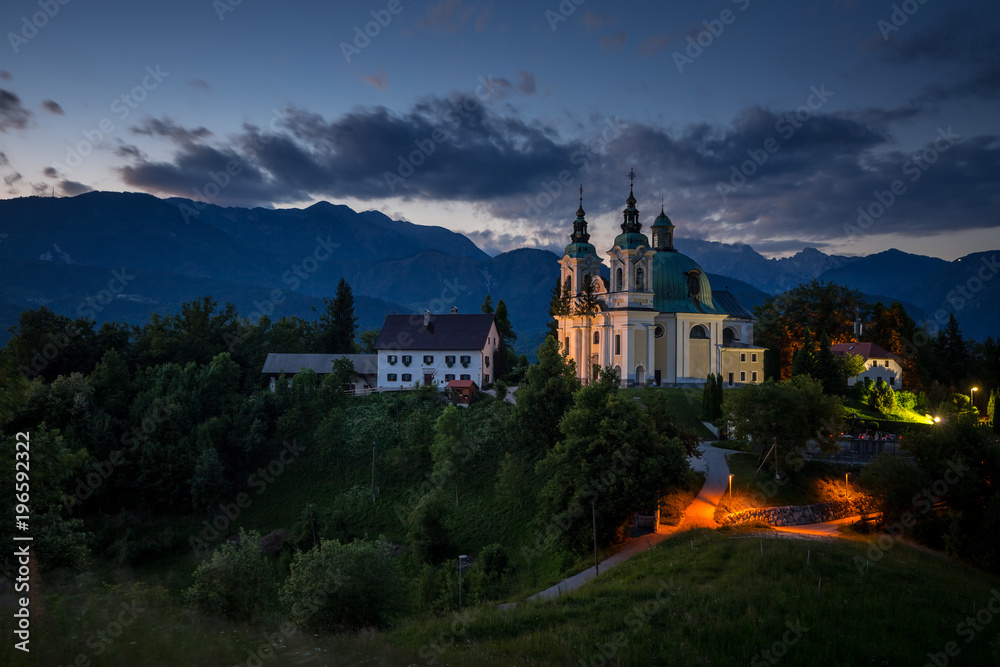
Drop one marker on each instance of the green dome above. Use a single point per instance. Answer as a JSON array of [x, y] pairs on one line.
[[662, 220], [631, 240], [672, 285], [581, 250]]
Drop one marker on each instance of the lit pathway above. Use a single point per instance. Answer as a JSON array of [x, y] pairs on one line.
[[698, 514], [826, 529]]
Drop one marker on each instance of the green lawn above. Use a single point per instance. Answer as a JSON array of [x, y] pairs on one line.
[[862, 411], [685, 405], [759, 489]]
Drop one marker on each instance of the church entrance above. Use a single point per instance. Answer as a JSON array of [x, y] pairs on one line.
[[640, 376], [656, 377]]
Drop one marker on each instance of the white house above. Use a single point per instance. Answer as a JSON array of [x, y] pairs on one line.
[[879, 363], [435, 349]]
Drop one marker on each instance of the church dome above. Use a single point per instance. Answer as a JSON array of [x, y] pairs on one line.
[[631, 240], [662, 220], [680, 285]]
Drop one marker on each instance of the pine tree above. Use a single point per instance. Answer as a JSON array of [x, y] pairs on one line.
[[558, 307], [487, 306], [338, 325], [804, 361], [828, 368], [505, 356]]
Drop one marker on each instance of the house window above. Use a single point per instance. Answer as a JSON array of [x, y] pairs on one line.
[[465, 360], [428, 360], [597, 337], [391, 377], [450, 360], [487, 360], [392, 359], [743, 356], [407, 360], [486, 379], [618, 344], [407, 377], [753, 376], [466, 376], [753, 357], [449, 377], [892, 382], [743, 376]]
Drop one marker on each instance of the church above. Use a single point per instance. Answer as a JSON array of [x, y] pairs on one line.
[[657, 321]]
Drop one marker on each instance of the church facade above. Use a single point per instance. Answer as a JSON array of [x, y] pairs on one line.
[[657, 321]]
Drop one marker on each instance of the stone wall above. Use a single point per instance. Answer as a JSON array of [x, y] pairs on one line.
[[797, 515]]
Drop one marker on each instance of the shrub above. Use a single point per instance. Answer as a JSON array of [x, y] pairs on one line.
[[882, 398], [892, 481], [489, 572], [906, 400], [235, 582], [344, 586]]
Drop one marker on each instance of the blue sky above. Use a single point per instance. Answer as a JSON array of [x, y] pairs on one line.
[[833, 98]]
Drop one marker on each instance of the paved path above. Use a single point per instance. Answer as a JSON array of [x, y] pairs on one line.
[[510, 394], [698, 514], [826, 529]]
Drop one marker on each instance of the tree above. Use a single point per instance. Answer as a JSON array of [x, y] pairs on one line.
[[338, 325], [235, 581], [368, 338], [882, 398], [558, 307], [711, 403], [851, 365], [545, 395], [828, 368], [609, 455], [505, 358], [345, 586], [894, 481], [786, 414], [487, 307], [817, 306], [805, 361]]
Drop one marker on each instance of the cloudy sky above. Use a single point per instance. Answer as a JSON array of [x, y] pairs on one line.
[[752, 123]]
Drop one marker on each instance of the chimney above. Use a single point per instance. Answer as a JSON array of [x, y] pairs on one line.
[[427, 318], [454, 310]]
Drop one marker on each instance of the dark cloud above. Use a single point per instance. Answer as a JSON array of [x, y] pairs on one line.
[[378, 79], [13, 115], [164, 127], [73, 188], [826, 166], [526, 82], [614, 42], [12, 178], [450, 15], [129, 151], [50, 172], [5, 75], [40, 188], [654, 44], [53, 107], [594, 21], [199, 83]]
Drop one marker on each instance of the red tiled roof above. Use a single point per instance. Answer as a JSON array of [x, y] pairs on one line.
[[866, 350]]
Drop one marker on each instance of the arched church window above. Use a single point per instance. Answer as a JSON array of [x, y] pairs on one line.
[[597, 337], [730, 335], [694, 285], [618, 280], [618, 344], [640, 279], [568, 286], [699, 331]]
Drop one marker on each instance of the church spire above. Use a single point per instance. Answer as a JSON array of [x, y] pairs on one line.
[[631, 224], [580, 234]]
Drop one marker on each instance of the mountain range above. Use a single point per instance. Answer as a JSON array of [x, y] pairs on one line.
[[73, 254]]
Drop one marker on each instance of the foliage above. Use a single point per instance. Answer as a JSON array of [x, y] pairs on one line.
[[338, 325], [761, 415], [546, 395], [893, 481], [851, 365], [505, 360], [345, 586], [711, 404], [665, 423], [235, 582], [610, 455], [882, 398]]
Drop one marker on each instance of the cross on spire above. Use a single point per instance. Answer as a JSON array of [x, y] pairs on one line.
[[631, 177]]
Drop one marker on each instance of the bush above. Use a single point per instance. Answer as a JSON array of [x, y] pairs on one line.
[[906, 400], [235, 582], [489, 573], [882, 398], [892, 481], [344, 586]]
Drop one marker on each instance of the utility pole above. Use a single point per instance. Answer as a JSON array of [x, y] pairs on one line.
[[373, 471], [593, 516], [460, 559]]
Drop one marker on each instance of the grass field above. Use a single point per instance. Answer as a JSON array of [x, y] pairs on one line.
[[698, 598]]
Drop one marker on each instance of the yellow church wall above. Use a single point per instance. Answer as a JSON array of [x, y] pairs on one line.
[[699, 351], [639, 356]]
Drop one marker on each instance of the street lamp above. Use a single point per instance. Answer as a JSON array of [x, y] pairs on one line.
[[460, 559], [730, 487], [847, 484], [937, 420], [972, 396]]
